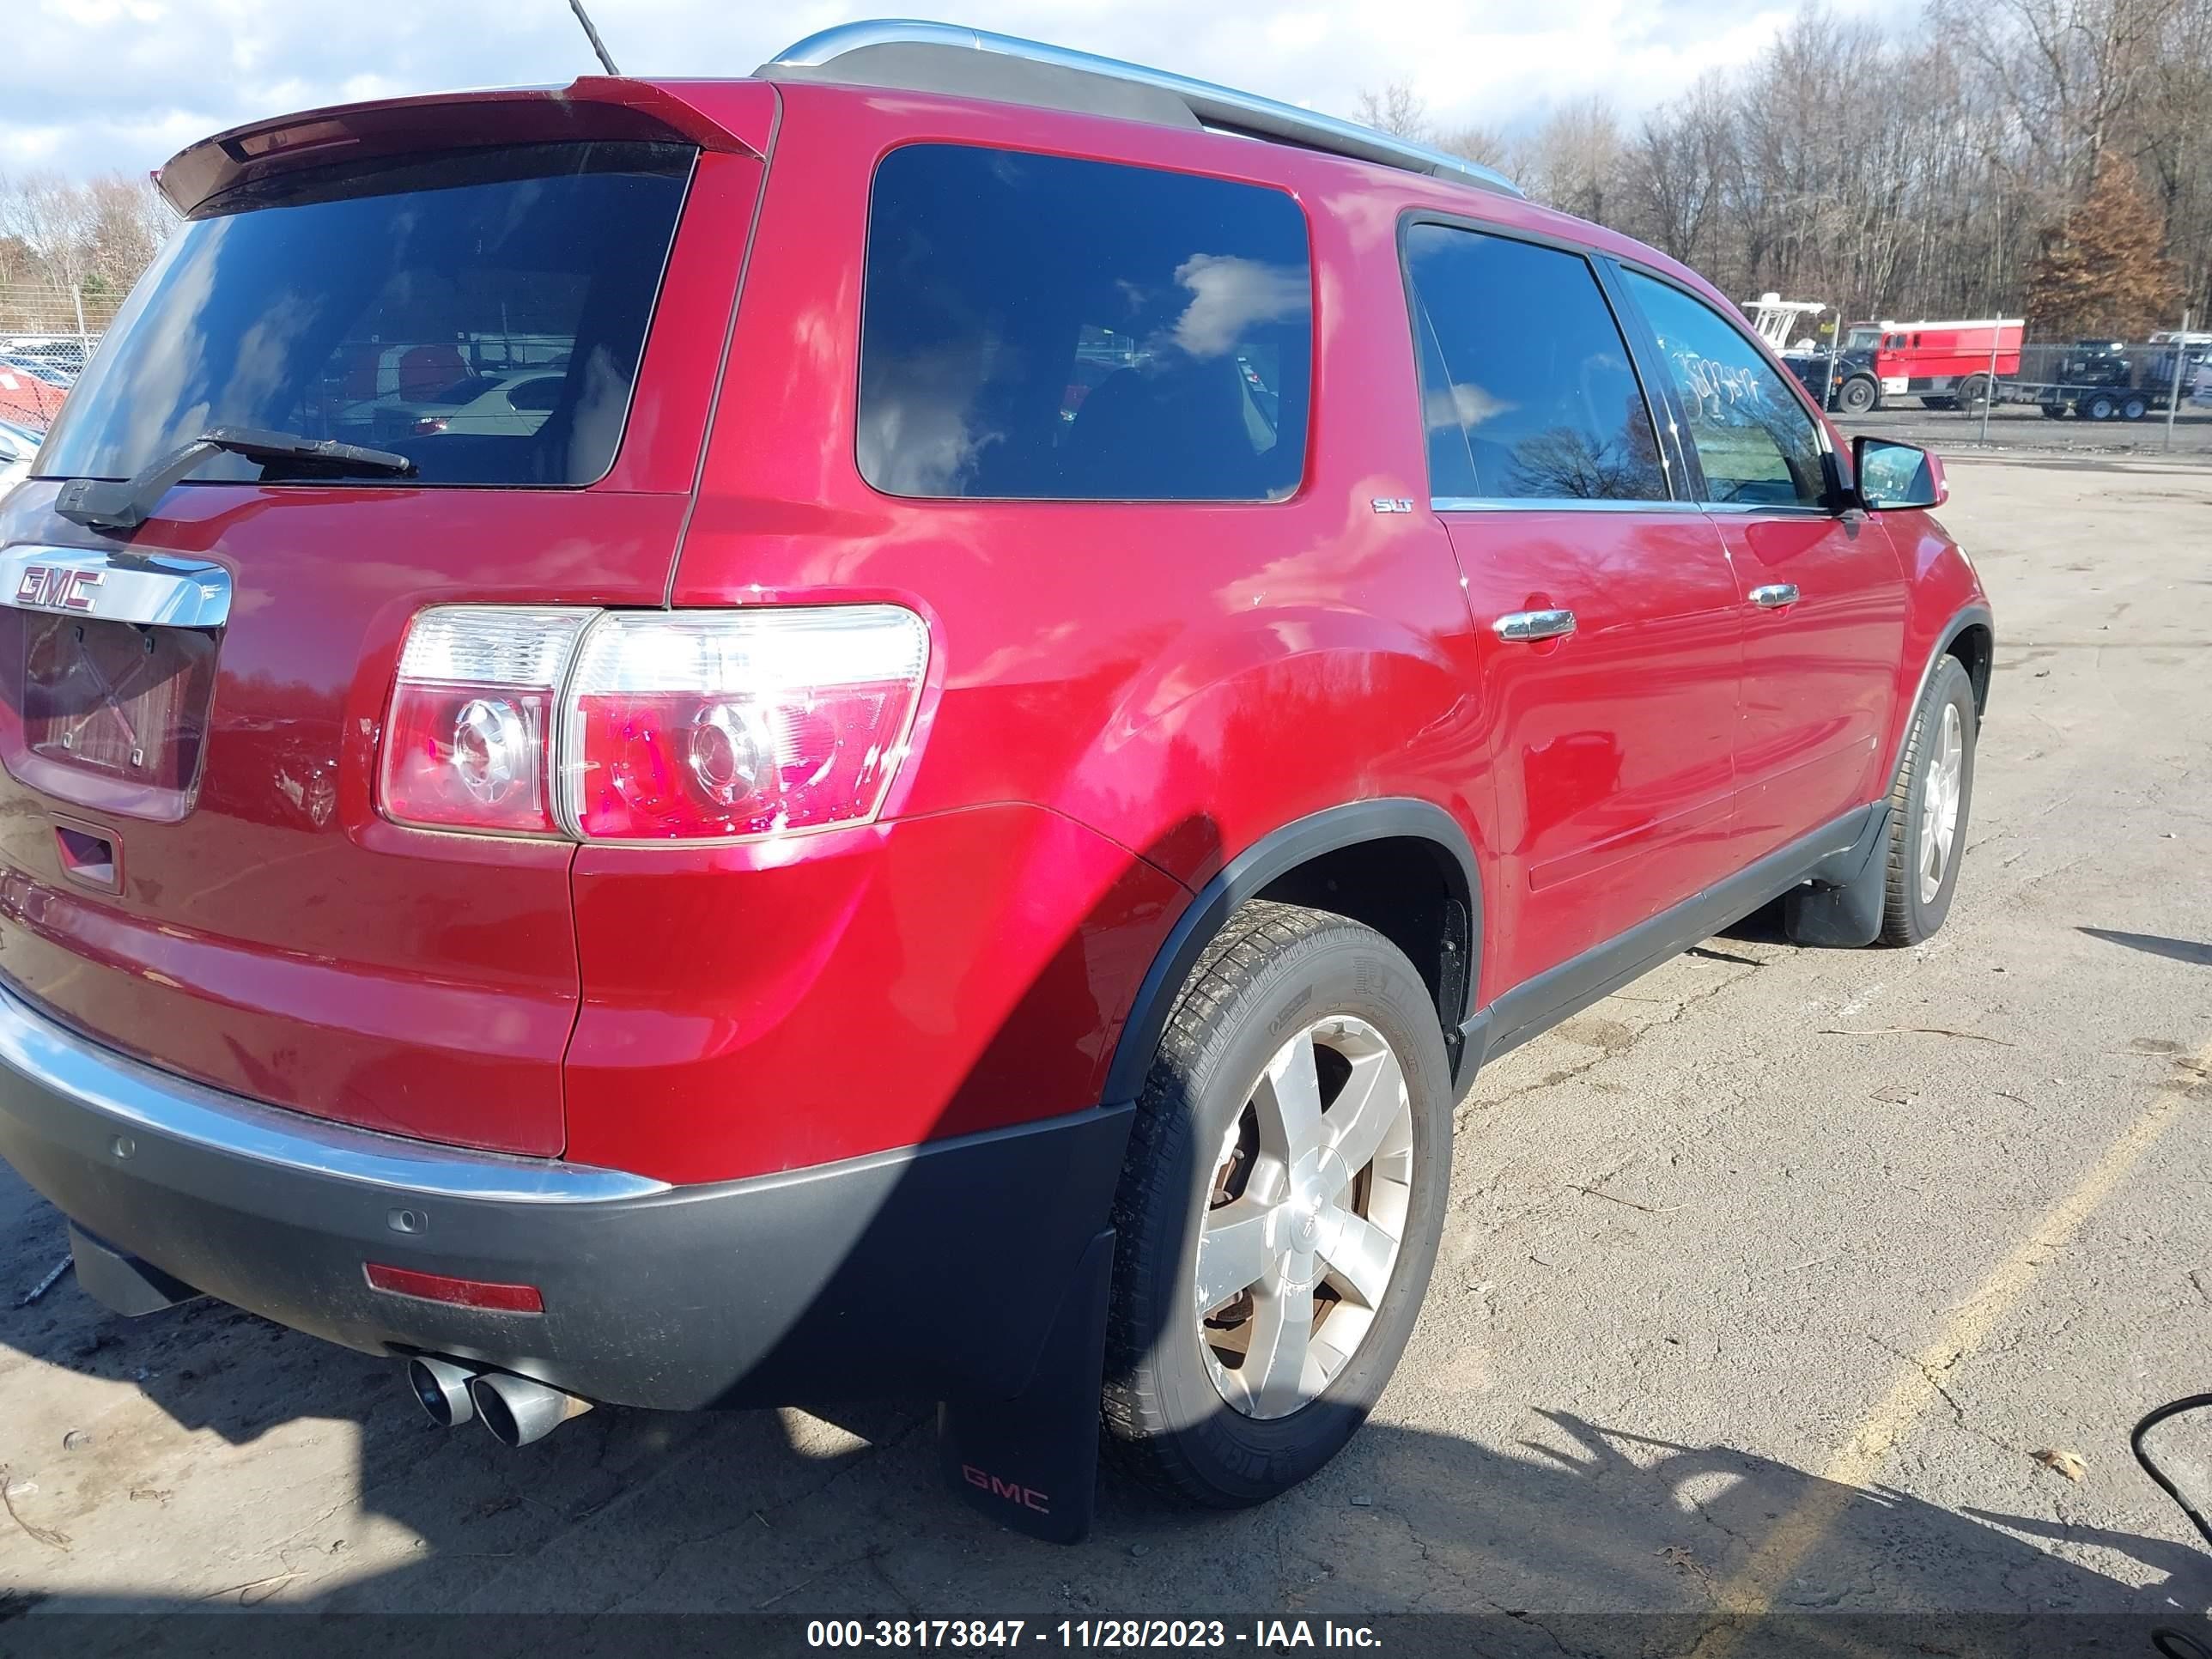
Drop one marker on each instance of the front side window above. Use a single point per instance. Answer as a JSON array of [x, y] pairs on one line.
[[1527, 389], [1755, 442], [1037, 327], [388, 305]]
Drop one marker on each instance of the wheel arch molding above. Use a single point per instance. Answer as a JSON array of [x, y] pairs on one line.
[[1352, 860], [1970, 635]]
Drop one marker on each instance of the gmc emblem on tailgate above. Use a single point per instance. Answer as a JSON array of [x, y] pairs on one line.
[[57, 587]]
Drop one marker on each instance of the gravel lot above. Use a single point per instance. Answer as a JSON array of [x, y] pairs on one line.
[[1766, 1281]]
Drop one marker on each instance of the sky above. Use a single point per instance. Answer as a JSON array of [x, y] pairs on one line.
[[90, 85]]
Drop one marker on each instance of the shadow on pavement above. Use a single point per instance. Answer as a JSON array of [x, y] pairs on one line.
[[1585, 1538], [2179, 950]]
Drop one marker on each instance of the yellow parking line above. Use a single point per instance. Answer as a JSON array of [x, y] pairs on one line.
[[1749, 1593]]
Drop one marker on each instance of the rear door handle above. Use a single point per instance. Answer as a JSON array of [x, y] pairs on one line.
[[1534, 625], [1775, 595]]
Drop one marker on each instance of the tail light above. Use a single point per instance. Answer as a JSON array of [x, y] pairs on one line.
[[468, 743], [650, 726]]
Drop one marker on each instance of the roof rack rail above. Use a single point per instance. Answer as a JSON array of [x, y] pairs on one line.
[[948, 58]]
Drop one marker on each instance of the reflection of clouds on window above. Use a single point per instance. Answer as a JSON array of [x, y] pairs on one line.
[[1233, 295], [1523, 357], [1474, 405], [919, 433], [165, 391], [266, 350]]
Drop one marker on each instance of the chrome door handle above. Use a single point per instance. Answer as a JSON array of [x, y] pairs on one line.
[[1534, 625], [1775, 595]]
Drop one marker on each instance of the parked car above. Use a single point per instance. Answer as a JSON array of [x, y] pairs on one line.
[[66, 356], [30, 395], [41, 369], [956, 818]]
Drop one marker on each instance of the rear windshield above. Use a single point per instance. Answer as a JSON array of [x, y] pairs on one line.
[[1040, 327], [339, 306]]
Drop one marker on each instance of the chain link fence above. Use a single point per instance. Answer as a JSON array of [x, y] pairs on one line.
[[1996, 381], [47, 335]]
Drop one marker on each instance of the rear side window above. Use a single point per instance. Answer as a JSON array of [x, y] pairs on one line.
[[1526, 388], [1754, 439], [1043, 328], [360, 304]]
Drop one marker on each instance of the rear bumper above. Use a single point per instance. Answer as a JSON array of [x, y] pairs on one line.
[[933, 1271]]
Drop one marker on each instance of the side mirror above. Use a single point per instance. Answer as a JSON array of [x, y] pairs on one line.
[[1894, 475]]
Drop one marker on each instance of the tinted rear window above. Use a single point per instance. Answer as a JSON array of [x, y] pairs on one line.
[[1526, 383], [1043, 328], [335, 307]]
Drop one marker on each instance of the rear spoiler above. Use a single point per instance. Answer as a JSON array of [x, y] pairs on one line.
[[728, 115]]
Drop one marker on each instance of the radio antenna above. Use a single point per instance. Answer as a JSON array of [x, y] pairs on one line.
[[593, 35]]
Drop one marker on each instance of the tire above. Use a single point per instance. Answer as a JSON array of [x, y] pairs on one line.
[[2134, 406], [1973, 392], [1857, 395], [2099, 407], [1178, 1416], [1913, 908]]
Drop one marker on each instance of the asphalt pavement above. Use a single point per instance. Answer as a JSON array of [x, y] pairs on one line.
[[1785, 1280]]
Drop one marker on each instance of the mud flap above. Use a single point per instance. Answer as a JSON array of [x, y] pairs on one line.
[[1843, 906], [1031, 1462], [123, 1282]]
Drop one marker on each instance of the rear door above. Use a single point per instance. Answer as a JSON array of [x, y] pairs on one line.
[[1825, 597], [193, 863], [1611, 621]]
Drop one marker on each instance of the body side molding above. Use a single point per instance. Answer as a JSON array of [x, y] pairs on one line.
[[1831, 853]]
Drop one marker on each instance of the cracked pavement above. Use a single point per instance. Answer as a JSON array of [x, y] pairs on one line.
[[1697, 1235]]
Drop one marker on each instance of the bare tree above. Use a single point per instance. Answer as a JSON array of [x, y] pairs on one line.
[[64, 242], [1397, 109], [1485, 145], [1573, 160], [1993, 118]]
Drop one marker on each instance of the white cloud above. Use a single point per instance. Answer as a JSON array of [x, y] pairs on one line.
[[86, 85]]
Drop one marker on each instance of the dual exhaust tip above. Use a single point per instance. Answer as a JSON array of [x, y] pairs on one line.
[[516, 1410]]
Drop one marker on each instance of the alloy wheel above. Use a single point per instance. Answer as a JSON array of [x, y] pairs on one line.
[[1939, 804], [1306, 1217]]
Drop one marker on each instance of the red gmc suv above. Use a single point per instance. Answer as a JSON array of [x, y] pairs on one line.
[[1058, 654]]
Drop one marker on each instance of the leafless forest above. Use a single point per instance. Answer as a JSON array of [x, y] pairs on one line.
[[1946, 170], [2051, 155], [66, 243]]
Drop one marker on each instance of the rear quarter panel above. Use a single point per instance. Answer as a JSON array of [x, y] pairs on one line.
[[1178, 680]]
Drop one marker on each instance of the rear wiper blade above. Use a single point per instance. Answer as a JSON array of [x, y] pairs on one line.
[[102, 504]]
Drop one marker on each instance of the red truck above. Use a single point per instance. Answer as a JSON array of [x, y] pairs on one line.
[[1947, 364]]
